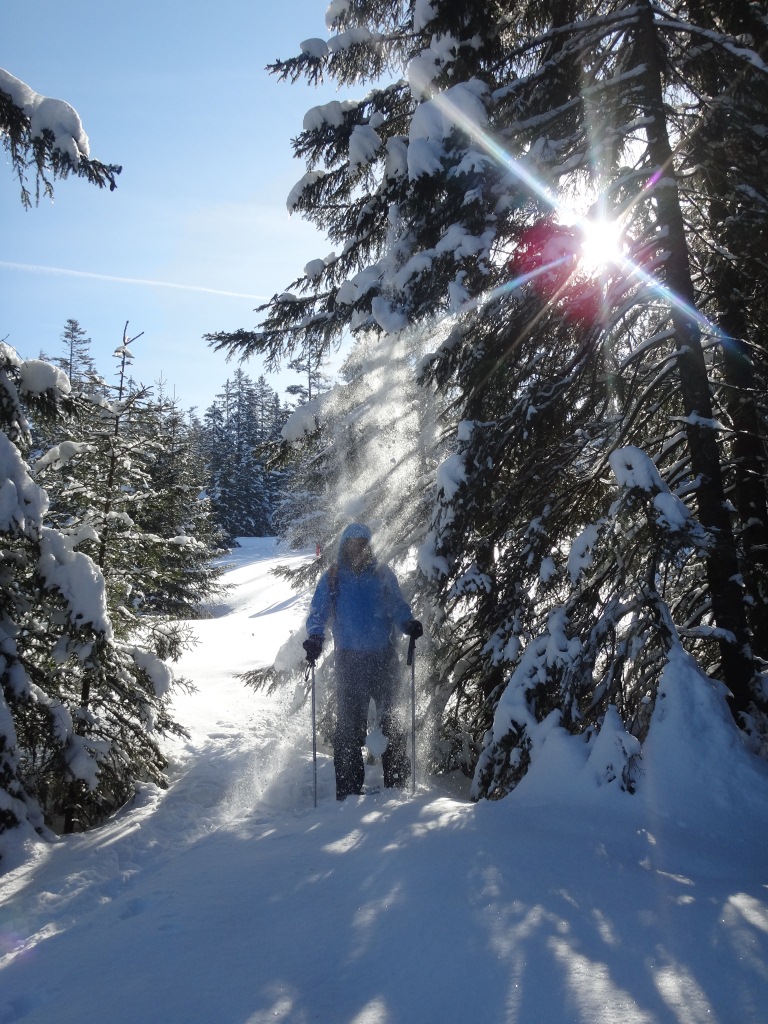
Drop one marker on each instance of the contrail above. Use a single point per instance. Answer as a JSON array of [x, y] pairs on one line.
[[39, 269]]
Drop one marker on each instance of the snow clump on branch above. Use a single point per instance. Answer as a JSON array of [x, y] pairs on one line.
[[37, 376], [316, 48], [22, 503], [433, 121], [48, 115], [634, 469]]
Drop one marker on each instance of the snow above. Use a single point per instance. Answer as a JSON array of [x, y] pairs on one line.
[[294, 196], [451, 475], [580, 556], [423, 13], [424, 68], [46, 114], [315, 48], [347, 293], [364, 144], [314, 269], [76, 576], [633, 468], [61, 454], [332, 113], [305, 419], [417, 265], [461, 243], [22, 502], [37, 376], [458, 295], [460, 106], [229, 898], [396, 163], [422, 71], [387, 317], [157, 670], [424, 158], [356, 36], [335, 10]]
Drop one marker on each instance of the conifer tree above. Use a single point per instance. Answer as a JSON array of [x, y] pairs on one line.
[[125, 498], [27, 607], [727, 197], [237, 431], [309, 364], [178, 516], [76, 360], [52, 614], [82, 711], [459, 194]]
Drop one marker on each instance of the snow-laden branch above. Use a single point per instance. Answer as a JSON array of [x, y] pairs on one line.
[[48, 115]]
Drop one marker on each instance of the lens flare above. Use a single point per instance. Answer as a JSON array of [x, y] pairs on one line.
[[601, 245], [601, 237]]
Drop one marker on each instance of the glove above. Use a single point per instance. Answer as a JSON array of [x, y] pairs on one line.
[[413, 628], [313, 645]]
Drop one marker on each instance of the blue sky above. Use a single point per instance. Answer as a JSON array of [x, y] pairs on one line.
[[176, 93]]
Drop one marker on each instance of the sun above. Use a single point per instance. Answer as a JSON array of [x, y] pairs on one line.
[[601, 244]]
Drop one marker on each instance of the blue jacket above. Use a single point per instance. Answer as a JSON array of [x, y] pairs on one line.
[[362, 607]]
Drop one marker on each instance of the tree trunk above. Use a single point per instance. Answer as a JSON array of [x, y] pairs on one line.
[[741, 388], [721, 563], [749, 461]]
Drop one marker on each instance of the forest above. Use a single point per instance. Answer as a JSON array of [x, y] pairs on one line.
[[559, 442]]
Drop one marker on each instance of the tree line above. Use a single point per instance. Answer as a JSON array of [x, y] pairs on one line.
[[575, 458]]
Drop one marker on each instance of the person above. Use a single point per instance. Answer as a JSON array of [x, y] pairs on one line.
[[362, 602]]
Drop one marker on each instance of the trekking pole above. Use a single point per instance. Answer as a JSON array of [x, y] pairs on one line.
[[314, 738], [411, 660], [311, 669]]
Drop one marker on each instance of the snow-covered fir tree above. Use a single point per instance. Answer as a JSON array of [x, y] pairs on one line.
[[55, 743], [126, 469], [82, 712], [178, 515], [605, 496], [236, 432], [76, 360], [27, 607], [309, 366], [123, 490], [101, 570]]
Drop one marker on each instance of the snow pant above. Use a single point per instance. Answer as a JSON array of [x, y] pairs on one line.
[[360, 676]]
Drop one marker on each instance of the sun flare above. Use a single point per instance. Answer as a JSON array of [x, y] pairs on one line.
[[601, 244]]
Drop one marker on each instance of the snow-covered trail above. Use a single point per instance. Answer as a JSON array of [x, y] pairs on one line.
[[229, 899]]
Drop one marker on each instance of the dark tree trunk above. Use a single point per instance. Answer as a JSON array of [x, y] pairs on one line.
[[749, 461], [722, 565]]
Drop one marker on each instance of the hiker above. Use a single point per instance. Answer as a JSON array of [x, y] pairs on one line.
[[362, 602]]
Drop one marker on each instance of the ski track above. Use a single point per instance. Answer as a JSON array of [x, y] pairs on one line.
[[230, 899]]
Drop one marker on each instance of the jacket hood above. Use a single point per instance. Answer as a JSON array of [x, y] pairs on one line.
[[355, 530]]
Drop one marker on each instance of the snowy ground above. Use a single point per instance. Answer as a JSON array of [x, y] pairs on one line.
[[230, 899]]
